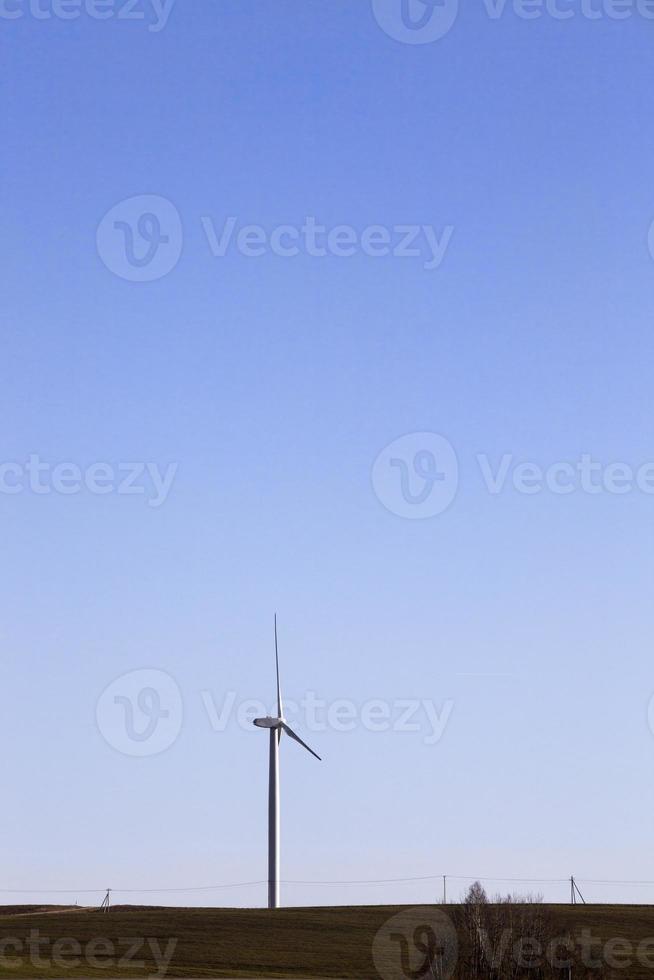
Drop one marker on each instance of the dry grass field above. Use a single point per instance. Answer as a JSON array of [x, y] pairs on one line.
[[131, 941]]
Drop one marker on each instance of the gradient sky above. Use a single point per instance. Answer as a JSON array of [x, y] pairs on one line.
[[273, 384]]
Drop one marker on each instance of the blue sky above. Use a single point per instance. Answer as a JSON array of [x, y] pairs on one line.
[[270, 385]]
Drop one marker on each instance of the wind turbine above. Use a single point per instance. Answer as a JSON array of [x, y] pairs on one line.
[[277, 726]]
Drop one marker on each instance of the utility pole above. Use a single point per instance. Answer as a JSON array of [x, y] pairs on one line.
[[444, 889], [574, 892], [106, 901]]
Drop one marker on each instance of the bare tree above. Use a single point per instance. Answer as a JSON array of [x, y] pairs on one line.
[[516, 938], [476, 895]]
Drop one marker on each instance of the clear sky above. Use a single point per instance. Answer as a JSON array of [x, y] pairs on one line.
[[262, 389]]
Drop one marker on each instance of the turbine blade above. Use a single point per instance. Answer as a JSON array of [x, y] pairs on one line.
[[289, 731], [280, 713]]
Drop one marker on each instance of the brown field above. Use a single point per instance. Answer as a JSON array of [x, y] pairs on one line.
[[295, 942]]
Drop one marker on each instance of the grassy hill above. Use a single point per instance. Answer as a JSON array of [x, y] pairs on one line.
[[131, 941]]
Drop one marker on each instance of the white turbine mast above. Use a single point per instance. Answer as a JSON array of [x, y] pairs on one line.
[[277, 726]]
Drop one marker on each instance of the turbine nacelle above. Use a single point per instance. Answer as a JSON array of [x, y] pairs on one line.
[[268, 722]]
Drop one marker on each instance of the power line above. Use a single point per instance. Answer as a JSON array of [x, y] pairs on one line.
[[289, 881], [126, 891], [592, 881], [388, 881], [320, 882]]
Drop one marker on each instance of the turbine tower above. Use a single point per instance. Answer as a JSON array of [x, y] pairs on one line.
[[277, 726]]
